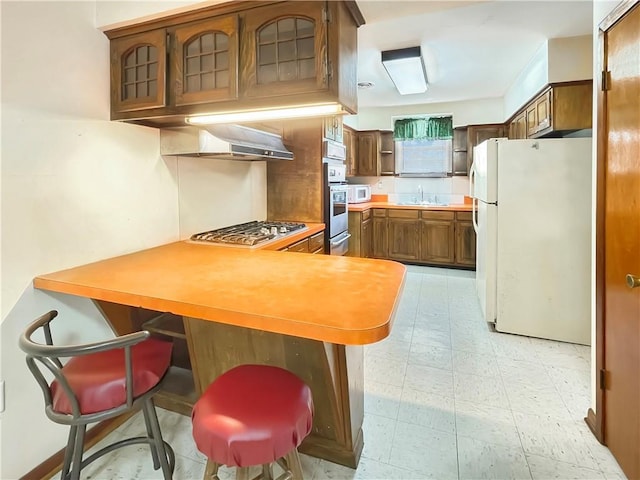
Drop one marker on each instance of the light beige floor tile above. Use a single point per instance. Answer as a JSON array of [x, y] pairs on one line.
[[486, 423], [368, 469], [483, 390], [543, 468], [424, 335], [389, 348], [430, 356], [382, 399], [431, 453], [474, 341], [539, 399], [402, 332], [480, 460], [475, 364], [524, 372], [429, 380], [378, 432], [384, 370], [556, 439], [428, 410]]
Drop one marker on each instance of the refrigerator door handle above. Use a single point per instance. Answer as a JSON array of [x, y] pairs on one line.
[[472, 178], [474, 214]]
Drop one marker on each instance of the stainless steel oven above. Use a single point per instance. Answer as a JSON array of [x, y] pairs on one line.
[[336, 207]]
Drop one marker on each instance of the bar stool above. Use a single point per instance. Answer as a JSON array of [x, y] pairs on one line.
[[100, 381], [253, 415]]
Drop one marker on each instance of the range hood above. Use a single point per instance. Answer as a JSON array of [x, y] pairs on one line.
[[227, 142]]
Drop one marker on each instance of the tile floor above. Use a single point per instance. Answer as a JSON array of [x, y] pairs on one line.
[[445, 398]]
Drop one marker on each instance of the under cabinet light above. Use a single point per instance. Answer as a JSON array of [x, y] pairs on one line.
[[406, 69], [267, 114]]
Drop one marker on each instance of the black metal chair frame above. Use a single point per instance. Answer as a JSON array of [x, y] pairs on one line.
[[48, 355]]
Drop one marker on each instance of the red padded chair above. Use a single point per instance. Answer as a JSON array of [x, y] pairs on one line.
[[253, 415], [100, 381]]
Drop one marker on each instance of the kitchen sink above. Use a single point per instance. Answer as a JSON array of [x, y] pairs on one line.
[[424, 203]]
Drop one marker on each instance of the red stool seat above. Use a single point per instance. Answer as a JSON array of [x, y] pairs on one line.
[[252, 415], [99, 379]]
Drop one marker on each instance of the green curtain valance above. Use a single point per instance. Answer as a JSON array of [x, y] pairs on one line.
[[433, 128]]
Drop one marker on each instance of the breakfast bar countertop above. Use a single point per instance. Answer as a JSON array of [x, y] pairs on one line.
[[342, 300]]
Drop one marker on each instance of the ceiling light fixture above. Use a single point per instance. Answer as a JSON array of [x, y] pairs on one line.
[[406, 69], [267, 114]]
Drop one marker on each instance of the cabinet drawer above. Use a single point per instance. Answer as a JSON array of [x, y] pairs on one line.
[[316, 242], [379, 212], [434, 215], [413, 214], [465, 216], [300, 247], [366, 214]]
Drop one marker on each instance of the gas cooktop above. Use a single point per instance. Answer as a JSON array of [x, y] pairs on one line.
[[249, 234]]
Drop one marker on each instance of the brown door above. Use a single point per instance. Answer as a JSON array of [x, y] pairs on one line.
[[622, 243]]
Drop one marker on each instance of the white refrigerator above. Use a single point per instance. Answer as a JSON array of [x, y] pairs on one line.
[[532, 217]]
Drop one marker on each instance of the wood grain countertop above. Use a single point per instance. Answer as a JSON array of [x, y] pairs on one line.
[[360, 207], [342, 300]]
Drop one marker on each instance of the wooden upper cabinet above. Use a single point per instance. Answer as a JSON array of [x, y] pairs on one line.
[[235, 56], [476, 134], [539, 114], [560, 109], [368, 153], [284, 49], [333, 128], [138, 71], [205, 61], [351, 145], [518, 127]]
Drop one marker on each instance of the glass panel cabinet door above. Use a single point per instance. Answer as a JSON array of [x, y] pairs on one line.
[[205, 61], [138, 71], [284, 49]]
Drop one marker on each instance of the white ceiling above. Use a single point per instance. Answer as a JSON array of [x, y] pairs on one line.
[[472, 49]]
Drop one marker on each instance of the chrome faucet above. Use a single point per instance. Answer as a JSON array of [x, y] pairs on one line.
[[421, 193]]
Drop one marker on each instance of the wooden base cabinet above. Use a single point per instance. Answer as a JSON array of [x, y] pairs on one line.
[[432, 237], [437, 238], [379, 234], [403, 232], [360, 228], [465, 240]]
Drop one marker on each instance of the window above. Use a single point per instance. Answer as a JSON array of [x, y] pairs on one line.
[[424, 146]]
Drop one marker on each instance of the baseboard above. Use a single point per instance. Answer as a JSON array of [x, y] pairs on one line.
[[53, 464]]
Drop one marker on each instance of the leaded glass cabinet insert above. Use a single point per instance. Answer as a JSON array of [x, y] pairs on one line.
[[207, 62], [286, 50], [140, 73]]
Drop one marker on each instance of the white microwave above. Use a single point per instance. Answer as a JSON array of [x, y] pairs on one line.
[[359, 193]]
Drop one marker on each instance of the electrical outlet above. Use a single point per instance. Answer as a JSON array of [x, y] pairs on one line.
[[1, 396]]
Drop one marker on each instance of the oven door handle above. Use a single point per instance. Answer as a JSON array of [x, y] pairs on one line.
[[341, 241]]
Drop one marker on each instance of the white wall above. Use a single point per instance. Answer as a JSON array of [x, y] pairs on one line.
[[557, 60], [528, 82], [77, 188], [570, 58]]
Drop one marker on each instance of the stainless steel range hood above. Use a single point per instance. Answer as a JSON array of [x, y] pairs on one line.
[[227, 142]]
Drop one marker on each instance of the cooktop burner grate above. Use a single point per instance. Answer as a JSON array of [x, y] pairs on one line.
[[250, 233]]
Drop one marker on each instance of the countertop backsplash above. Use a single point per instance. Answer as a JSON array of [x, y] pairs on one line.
[[441, 191]]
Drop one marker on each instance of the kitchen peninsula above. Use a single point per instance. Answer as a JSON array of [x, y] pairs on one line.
[[308, 313]]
